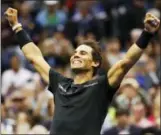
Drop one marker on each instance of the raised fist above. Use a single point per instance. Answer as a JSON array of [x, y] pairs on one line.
[[151, 23], [11, 16]]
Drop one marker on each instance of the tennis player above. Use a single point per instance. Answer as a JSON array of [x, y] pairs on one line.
[[81, 103]]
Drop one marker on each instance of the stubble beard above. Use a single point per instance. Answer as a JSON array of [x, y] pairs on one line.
[[80, 71]]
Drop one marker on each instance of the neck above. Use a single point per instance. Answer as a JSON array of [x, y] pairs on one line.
[[16, 70], [83, 77]]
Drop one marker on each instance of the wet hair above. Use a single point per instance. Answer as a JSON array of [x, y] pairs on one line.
[[96, 53]]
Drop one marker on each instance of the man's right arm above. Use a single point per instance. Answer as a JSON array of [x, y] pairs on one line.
[[34, 55], [30, 50]]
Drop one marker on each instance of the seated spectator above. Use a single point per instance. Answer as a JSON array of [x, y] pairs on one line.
[[37, 122], [79, 39], [57, 49], [155, 115], [146, 72], [7, 124], [151, 74], [29, 23], [17, 77], [128, 94], [51, 17], [44, 105], [38, 129], [23, 125], [123, 126], [82, 22], [138, 116], [57, 45], [113, 53], [16, 102]]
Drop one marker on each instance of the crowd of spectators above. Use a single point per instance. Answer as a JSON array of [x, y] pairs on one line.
[[57, 27]]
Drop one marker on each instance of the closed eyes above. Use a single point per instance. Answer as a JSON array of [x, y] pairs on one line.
[[81, 52]]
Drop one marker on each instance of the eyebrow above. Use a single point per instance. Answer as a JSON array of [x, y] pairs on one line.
[[81, 51]]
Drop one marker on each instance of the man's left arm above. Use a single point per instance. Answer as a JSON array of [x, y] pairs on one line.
[[118, 71]]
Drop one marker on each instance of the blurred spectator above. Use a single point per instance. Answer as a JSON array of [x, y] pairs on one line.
[[128, 94], [113, 53], [138, 116], [23, 125], [70, 5], [16, 102], [6, 34], [151, 75], [152, 92], [79, 39], [123, 126], [44, 105], [155, 116], [38, 129], [146, 72], [57, 45], [51, 17], [84, 21], [130, 17], [7, 124], [29, 24], [57, 49], [134, 34], [157, 59], [17, 77]]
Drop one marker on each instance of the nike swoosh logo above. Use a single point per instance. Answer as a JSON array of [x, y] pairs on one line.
[[62, 88]]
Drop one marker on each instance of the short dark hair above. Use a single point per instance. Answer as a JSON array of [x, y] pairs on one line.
[[96, 52]]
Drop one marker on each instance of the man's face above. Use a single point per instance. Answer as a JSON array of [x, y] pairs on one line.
[[15, 63], [82, 59]]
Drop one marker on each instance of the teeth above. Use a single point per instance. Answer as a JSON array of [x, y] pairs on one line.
[[76, 62]]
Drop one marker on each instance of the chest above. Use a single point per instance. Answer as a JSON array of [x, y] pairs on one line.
[[17, 78], [77, 96]]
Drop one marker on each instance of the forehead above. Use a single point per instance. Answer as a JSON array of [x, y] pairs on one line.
[[84, 47]]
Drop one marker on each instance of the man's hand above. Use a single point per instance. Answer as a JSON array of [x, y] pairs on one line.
[[11, 16], [151, 23]]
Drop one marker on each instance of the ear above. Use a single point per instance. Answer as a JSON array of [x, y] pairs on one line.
[[95, 64]]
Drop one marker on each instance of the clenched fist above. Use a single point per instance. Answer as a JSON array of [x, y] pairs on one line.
[[11, 16], [151, 23]]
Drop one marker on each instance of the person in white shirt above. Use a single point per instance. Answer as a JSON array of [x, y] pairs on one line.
[[17, 77]]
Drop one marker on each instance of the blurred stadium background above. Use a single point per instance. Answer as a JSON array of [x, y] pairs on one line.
[[57, 27]]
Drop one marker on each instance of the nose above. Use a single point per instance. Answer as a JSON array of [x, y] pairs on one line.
[[76, 55]]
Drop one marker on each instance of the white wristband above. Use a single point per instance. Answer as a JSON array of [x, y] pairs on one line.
[[16, 26]]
